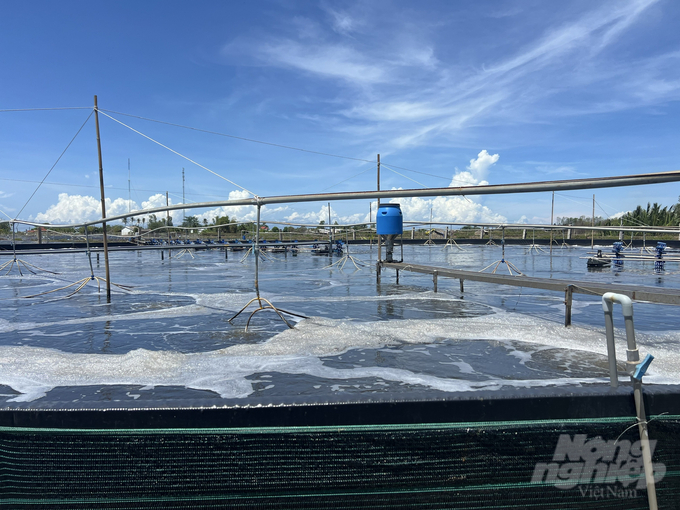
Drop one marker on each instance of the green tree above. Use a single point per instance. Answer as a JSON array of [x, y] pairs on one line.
[[191, 221], [155, 223], [230, 223]]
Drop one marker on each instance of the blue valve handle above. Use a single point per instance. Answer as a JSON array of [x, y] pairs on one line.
[[641, 368]]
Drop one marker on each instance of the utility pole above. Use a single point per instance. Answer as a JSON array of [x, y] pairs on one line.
[[167, 221], [183, 202], [376, 220], [592, 224], [101, 188], [330, 232], [129, 194], [552, 212]]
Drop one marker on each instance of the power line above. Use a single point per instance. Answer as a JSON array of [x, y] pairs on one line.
[[349, 178], [238, 137], [180, 155], [404, 176], [46, 109], [55, 164], [173, 193], [422, 173]]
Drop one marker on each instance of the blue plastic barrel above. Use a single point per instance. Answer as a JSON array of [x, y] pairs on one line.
[[389, 220]]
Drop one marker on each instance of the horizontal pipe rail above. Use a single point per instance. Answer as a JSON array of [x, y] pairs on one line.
[[497, 189], [664, 296]]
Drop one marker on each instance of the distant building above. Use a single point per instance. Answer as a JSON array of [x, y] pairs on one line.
[[127, 231]]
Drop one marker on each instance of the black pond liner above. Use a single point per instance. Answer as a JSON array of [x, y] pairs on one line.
[[465, 451]]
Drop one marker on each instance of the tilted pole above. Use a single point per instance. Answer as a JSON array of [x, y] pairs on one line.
[[101, 188]]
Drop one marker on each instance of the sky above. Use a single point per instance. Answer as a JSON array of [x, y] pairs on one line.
[[277, 97]]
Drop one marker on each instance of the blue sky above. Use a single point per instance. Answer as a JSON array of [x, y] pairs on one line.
[[497, 92]]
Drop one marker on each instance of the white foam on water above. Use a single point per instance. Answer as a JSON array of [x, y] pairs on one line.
[[6, 326], [180, 311], [33, 371], [465, 368]]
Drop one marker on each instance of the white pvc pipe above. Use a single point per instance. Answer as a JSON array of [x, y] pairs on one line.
[[632, 353], [633, 357]]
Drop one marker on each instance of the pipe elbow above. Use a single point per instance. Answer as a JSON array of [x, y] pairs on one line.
[[609, 298]]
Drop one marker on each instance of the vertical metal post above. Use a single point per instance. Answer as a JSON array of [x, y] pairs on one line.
[[167, 223], [462, 289], [101, 188], [14, 241], [434, 279], [330, 232], [89, 255], [568, 293], [256, 252], [611, 345]]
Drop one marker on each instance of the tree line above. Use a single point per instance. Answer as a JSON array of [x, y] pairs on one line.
[[653, 215]]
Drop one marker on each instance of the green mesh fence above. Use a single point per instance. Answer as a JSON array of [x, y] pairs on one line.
[[430, 466]]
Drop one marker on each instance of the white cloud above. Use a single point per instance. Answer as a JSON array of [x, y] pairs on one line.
[[242, 213], [313, 217], [480, 166], [334, 61], [454, 209], [157, 200], [441, 98], [342, 22], [79, 208], [465, 179]]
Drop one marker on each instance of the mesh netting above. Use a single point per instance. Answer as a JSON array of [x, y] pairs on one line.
[[435, 466]]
